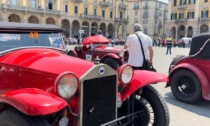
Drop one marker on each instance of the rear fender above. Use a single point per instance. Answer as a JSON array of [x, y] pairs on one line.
[[140, 79], [111, 55], [198, 72], [33, 101], [74, 52]]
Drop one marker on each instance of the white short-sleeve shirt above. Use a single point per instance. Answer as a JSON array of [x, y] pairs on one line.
[[135, 54]]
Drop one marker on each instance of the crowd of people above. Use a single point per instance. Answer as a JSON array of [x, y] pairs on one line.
[[181, 43]]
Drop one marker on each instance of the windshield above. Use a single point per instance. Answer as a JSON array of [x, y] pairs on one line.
[[22, 39]]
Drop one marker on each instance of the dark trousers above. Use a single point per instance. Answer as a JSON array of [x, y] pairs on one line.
[[137, 68], [168, 48]]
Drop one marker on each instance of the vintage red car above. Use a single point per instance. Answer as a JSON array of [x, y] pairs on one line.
[[94, 46], [40, 85], [190, 75]]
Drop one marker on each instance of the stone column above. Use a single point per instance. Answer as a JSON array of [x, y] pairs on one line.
[[90, 30], [58, 4], [185, 32], [176, 34], [42, 4], [24, 3], [115, 31], [117, 5]]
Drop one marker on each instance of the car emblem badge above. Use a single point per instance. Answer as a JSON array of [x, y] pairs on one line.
[[101, 70]]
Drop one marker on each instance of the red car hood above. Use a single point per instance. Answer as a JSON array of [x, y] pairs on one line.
[[46, 60], [108, 49]]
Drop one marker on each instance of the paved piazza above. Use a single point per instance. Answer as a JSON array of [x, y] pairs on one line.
[[181, 114]]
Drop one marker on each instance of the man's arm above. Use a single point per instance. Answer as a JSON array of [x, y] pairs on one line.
[[150, 54], [125, 46]]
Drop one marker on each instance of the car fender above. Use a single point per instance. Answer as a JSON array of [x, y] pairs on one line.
[[74, 52], [112, 55], [32, 101], [201, 76], [140, 79]]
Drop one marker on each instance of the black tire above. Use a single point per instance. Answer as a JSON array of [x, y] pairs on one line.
[[174, 61], [71, 54], [155, 109], [112, 63], [186, 86], [15, 118]]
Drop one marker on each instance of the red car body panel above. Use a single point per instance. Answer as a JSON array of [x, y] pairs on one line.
[[33, 101], [199, 73], [136, 82], [46, 60]]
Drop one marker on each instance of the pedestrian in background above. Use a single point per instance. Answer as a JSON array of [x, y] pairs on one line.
[[135, 58], [169, 44]]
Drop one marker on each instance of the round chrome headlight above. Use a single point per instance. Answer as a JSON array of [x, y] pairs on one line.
[[66, 85], [125, 73], [121, 54]]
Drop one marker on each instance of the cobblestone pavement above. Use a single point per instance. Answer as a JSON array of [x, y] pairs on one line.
[[181, 114]]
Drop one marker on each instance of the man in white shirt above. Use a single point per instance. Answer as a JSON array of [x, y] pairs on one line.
[[135, 53]]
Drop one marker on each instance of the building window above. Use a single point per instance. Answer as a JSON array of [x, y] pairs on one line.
[[190, 15], [50, 5], [86, 11], [205, 14], [136, 5], [121, 15], [136, 13], [111, 2], [145, 31], [14, 2], [182, 2], [205, 0], [174, 2], [111, 14], [76, 9], [173, 16], [160, 14], [160, 5], [181, 15], [103, 13], [32, 3], [66, 8], [191, 1], [95, 13]]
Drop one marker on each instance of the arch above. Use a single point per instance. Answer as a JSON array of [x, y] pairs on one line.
[[110, 31], [85, 27], [33, 19], [14, 18], [94, 28], [204, 28], [65, 24], [181, 31], [120, 31], [50, 20], [190, 31], [103, 28], [75, 28]]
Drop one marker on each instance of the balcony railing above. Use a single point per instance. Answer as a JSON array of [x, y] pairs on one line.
[[183, 20], [204, 19], [121, 20], [182, 7], [146, 7], [104, 4], [77, 1], [90, 17], [135, 7], [30, 9], [121, 6], [145, 16]]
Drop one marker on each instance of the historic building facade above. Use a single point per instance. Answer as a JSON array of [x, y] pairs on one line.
[[188, 18], [88, 16], [152, 14]]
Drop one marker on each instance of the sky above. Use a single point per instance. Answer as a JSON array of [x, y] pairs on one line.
[[166, 1]]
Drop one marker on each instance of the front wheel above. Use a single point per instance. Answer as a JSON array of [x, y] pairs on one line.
[[186, 86], [154, 107], [15, 118]]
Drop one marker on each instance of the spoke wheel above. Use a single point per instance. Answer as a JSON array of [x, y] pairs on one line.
[[155, 111], [186, 86]]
